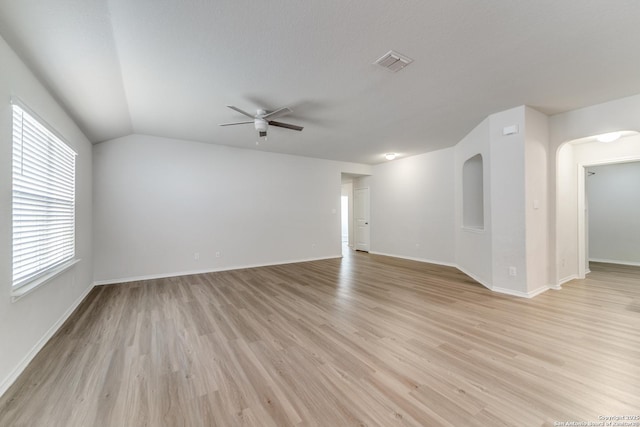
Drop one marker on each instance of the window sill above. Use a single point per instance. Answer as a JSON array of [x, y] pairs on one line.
[[29, 287]]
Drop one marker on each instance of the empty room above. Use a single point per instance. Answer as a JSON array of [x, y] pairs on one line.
[[285, 213]]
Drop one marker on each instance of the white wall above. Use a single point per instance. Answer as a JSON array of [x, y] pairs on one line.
[[417, 205], [412, 207], [160, 201], [508, 232], [515, 192], [27, 323], [613, 194], [472, 246], [564, 230], [620, 114], [536, 195]]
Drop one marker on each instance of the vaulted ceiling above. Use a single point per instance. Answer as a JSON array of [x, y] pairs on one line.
[[169, 67]]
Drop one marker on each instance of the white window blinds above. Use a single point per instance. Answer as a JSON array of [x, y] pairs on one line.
[[43, 199]]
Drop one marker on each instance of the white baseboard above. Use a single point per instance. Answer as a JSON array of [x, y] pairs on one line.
[[204, 271], [529, 294], [474, 277], [13, 376], [615, 261], [521, 294], [506, 291], [430, 261], [567, 279]]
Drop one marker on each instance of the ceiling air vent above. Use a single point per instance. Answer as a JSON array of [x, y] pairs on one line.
[[394, 61]]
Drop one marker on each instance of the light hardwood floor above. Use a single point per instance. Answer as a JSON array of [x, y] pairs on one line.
[[366, 340]]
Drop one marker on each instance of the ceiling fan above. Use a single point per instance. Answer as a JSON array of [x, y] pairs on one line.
[[263, 118]]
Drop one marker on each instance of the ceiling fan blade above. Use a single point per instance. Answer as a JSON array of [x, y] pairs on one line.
[[277, 113], [236, 123], [285, 125], [241, 111]]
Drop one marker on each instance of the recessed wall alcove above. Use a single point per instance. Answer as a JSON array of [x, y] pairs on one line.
[[473, 193]]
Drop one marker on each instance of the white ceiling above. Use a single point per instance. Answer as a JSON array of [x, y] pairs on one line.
[[169, 67]]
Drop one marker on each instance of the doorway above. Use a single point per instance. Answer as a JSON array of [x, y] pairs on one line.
[[352, 215], [344, 219], [346, 214], [612, 209], [573, 160]]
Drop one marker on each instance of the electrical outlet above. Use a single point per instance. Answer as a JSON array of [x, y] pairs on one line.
[[512, 271], [217, 254], [196, 255]]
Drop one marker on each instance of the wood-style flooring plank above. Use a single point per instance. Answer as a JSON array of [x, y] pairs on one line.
[[363, 340]]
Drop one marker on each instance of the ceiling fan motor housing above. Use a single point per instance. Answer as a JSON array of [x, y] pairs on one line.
[[261, 124]]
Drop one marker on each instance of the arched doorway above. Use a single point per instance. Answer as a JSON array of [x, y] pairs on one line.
[[572, 158]]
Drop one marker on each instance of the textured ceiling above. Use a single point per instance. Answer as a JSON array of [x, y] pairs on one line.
[[169, 67]]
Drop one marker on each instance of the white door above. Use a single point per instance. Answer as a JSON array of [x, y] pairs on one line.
[[361, 217]]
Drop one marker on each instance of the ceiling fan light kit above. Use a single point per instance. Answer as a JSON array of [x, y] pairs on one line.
[[263, 118], [261, 125]]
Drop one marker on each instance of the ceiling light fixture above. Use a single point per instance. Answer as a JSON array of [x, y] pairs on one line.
[[605, 137], [608, 137], [390, 156]]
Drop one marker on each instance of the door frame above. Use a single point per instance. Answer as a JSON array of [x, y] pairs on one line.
[[368, 216], [583, 226]]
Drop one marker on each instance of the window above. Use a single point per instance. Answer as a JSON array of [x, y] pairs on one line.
[[43, 201]]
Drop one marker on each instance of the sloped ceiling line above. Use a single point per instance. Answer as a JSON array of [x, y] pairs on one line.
[[169, 67]]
